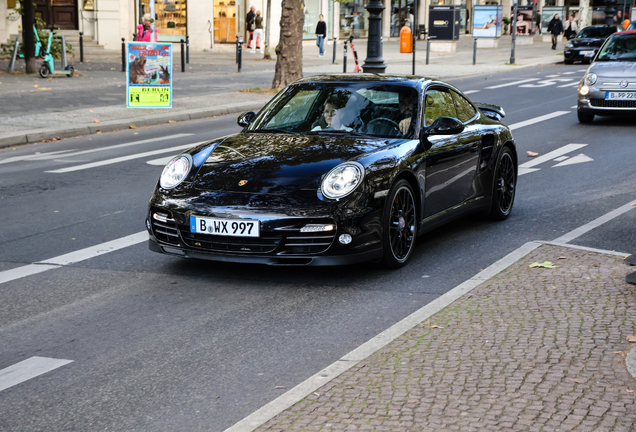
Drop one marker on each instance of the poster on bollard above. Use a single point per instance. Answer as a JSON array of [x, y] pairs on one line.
[[487, 21], [149, 75]]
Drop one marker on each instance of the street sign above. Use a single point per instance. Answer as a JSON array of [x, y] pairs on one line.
[[148, 75]]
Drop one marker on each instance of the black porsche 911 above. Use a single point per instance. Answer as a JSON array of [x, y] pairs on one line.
[[337, 169]]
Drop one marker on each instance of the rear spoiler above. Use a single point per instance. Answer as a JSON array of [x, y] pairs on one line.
[[494, 112]]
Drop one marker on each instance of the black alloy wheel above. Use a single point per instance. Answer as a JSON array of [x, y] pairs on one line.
[[585, 118], [399, 225], [503, 196]]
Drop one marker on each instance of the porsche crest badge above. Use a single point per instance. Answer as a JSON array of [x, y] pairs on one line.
[[242, 182]]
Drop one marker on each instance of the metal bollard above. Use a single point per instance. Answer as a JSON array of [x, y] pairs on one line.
[[182, 57], [428, 48], [15, 53], [344, 53], [81, 47], [187, 49], [335, 41], [239, 52], [123, 54], [475, 52]]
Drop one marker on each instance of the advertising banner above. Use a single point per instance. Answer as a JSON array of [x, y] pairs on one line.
[[444, 22], [525, 20], [149, 75], [487, 21], [548, 14]]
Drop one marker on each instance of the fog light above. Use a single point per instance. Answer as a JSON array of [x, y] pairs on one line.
[[345, 239], [148, 224], [584, 90], [316, 228]]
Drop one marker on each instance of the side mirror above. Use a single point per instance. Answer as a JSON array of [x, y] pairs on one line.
[[443, 126], [245, 118]]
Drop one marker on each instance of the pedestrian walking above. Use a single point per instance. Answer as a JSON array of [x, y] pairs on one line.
[[250, 25], [555, 28], [571, 29], [144, 30], [321, 33], [258, 33], [537, 19]]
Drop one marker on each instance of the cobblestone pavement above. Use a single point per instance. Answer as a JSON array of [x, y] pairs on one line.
[[530, 349]]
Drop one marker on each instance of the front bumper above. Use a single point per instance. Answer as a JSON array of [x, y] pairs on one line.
[[579, 54], [595, 103]]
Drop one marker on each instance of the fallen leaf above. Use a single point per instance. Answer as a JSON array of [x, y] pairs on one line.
[[617, 352], [49, 79], [36, 86], [96, 121], [113, 69], [631, 338], [90, 110], [280, 387], [544, 264], [563, 257], [116, 130], [132, 126], [531, 153], [171, 121], [630, 390], [578, 380], [98, 132], [633, 204]]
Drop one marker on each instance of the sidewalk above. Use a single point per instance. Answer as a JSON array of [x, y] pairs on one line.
[[529, 349], [38, 109]]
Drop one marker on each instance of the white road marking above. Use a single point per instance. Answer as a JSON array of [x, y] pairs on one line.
[[160, 161], [574, 84], [133, 143], [33, 156], [546, 83], [566, 238], [568, 73], [73, 257], [575, 160], [574, 107], [124, 158], [528, 167], [537, 119], [561, 158], [553, 76], [27, 369], [471, 92], [513, 83], [582, 70]]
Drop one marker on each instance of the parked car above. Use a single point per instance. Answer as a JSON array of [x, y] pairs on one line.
[[609, 85], [337, 169], [586, 43], [632, 26]]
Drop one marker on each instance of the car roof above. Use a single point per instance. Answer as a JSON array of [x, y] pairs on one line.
[[625, 32], [368, 77]]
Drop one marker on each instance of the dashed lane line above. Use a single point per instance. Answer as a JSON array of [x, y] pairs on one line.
[[73, 257], [513, 83], [537, 119], [471, 92], [28, 369]]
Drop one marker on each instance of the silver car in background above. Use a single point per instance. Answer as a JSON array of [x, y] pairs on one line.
[[609, 85]]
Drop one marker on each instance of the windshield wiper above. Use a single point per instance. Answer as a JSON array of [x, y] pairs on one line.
[[279, 130]]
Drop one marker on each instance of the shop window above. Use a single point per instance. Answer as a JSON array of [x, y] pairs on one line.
[[225, 21], [354, 19], [170, 18]]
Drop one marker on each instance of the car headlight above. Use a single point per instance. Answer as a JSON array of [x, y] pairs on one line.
[[175, 171], [590, 79], [569, 45], [342, 180], [584, 90]]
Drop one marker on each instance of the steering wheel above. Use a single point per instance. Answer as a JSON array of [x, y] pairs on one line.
[[392, 124]]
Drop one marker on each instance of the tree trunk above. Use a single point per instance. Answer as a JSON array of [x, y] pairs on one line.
[[289, 52], [583, 12], [28, 19], [267, 55]]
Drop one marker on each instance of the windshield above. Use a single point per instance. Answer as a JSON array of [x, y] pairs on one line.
[[370, 108], [596, 32], [619, 48]]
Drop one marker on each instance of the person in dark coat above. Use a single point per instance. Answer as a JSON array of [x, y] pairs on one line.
[[555, 28], [249, 20], [321, 33]]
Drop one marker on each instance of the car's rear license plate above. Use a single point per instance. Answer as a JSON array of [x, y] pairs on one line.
[[620, 95], [225, 227]]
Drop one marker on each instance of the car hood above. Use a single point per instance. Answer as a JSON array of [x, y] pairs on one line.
[[614, 69], [587, 42], [278, 163]]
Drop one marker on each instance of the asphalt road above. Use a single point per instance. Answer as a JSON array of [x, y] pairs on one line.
[[158, 343]]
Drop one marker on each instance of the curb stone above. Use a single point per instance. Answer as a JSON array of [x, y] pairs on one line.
[[630, 362], [9, 140]]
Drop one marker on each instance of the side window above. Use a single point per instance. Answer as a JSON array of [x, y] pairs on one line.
[[295, 110], [438, 103], [465, 110]]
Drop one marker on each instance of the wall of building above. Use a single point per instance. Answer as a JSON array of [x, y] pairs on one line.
[[9, 25]]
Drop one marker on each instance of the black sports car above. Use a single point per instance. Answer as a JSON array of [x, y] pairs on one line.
[[587, 43], [337, 169]]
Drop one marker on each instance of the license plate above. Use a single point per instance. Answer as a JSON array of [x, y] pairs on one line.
[[588, 53], [225, 227], [620, 95]]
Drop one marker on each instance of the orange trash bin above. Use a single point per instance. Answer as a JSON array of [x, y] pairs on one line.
[[406, 40]]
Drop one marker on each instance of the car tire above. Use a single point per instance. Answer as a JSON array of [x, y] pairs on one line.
[[504, 186], [568, 61], [399, 225], [585, 118]]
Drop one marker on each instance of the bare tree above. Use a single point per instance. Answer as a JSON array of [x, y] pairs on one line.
[[289, 52], [28, 20]]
